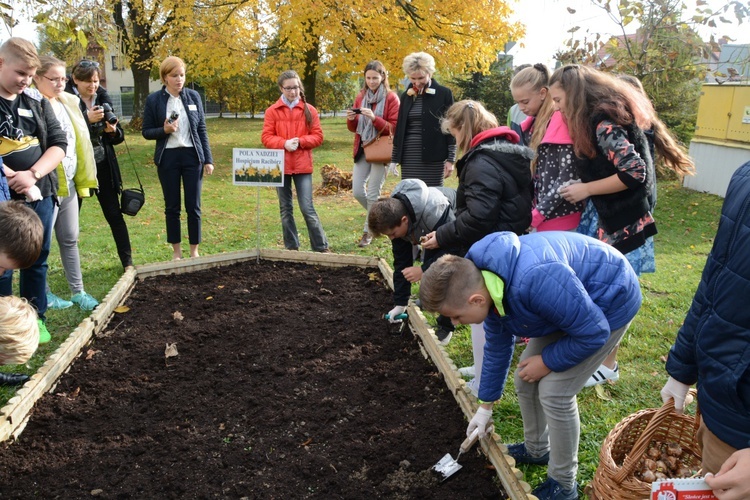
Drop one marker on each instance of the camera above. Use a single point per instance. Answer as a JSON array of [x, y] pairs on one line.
[[172, 117], [109, 115], [357, 110]]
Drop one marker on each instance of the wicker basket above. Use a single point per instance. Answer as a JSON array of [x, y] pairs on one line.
[[627, 443]]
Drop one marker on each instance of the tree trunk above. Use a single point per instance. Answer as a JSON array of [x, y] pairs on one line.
[[141, 79], [309, 78]]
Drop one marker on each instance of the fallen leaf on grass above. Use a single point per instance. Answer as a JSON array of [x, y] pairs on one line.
[[663, 358], [601, 393], [178, 316], [122, 309], [90, 354], [171, 350]]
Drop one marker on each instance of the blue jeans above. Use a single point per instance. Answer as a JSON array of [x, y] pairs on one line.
[[303, 185], [34, 279], [181, 164]]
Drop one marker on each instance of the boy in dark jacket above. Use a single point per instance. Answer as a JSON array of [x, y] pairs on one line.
[[711, 349], [412, 211], [33, 144], [573, 297]]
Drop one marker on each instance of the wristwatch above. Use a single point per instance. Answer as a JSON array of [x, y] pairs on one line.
[[37, 175]]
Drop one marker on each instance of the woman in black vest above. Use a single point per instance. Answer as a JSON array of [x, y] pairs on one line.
[[606, 118]]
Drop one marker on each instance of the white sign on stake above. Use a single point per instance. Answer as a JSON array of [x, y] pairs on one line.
[[258, 167]]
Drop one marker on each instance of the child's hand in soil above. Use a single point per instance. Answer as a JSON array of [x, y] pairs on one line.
[[412, 274], [533, 369]]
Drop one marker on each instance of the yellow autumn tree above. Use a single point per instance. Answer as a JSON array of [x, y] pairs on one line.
[[344, 35], [223, 39]]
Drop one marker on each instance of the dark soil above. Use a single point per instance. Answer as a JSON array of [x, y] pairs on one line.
[[287, 385]]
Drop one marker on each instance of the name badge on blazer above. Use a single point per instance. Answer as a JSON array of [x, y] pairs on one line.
[[25, 112], [192, 107]]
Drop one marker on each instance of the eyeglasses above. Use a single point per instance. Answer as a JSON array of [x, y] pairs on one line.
[[289, 89], [88, 64], [60, 81]]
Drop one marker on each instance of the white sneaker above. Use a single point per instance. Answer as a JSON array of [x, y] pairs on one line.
[[602, 375], [467, 371], [473, 387]]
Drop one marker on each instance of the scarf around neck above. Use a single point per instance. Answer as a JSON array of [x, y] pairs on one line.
[[365, 127]]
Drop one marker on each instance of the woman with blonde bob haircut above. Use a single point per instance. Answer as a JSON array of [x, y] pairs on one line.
[[419, 145], [174, 118]]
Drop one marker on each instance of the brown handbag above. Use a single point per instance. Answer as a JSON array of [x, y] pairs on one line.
[[379, 149]]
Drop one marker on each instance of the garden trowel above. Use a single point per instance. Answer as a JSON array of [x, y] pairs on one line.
[[447, 466]]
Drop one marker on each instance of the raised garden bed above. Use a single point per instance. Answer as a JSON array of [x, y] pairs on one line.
[[286, 382]]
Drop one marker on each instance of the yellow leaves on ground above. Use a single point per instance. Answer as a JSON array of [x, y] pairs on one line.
[[121, 309]]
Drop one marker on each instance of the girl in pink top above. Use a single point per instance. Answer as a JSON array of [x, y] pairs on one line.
[[555, 164]]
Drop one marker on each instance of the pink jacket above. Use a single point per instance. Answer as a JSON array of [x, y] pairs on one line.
[[390, 115], [282, 123]]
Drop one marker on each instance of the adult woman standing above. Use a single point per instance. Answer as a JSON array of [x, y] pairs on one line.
[[76, 176], [104, 136], [174, 117], [375, 112], [419, 144], [293, 125]]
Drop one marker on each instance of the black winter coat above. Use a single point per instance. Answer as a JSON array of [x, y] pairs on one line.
[[494, 191]]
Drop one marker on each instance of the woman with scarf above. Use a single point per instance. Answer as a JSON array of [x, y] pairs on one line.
[[375, 112]]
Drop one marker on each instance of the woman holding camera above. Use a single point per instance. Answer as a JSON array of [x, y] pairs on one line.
[[105, 132], [375, 112], [174, 118]]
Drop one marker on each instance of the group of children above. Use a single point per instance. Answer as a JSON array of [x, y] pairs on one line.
[[582, 148]]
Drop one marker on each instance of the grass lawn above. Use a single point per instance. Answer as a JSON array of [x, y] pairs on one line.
[[236, 218]]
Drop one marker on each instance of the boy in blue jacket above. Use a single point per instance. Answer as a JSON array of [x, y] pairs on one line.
[[711, 349], [573, 297]]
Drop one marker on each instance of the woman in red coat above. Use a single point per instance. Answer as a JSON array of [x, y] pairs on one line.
[[294, 125], [375, 112]]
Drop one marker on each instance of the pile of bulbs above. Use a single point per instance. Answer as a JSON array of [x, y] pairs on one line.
[[665, 460]]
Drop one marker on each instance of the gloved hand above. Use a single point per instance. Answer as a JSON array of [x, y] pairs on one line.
[[677, 390], [395, 312], [33, 194], [481, 420], [291, 144], [392, 169]]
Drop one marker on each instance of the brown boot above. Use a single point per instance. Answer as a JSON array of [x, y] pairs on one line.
[[366, 240]]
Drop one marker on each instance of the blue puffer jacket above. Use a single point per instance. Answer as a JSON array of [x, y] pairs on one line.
[[553, 281], [713, 345]]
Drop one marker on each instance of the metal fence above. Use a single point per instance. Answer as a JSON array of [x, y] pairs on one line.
[[123, 104]]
